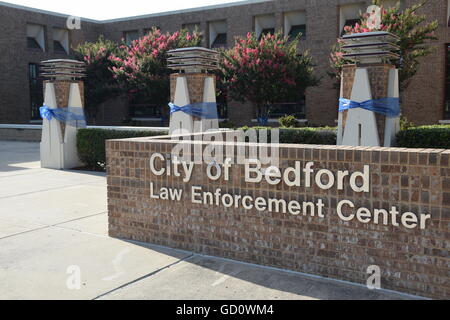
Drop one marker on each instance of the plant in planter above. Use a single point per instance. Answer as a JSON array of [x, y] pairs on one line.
[[100, 86], [413, 31], [141, 68], [266, 71], [288, 122]]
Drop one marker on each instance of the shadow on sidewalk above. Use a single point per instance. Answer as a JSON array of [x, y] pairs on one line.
[[281, 280]]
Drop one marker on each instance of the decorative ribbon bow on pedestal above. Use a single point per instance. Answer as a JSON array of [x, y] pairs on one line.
[[263, 120], [203, 110], [64, 115], [389, 107]]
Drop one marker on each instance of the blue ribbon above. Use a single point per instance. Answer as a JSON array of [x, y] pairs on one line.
[[203, 110], [63, 115], [386, 106], [263, 121]]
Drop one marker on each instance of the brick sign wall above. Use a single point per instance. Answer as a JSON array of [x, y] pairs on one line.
[[400, 223]]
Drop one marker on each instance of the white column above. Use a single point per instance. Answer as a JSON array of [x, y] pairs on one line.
[[52, 141], [392, 123], [70, 153], [181, 122], [209, 95], [361, 125]]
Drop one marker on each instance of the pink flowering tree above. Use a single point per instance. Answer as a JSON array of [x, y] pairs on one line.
[[99, 84], [265, 71], [141, 68], [413, 30]]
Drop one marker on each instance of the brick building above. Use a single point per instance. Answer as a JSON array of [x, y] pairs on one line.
[[29, 36]]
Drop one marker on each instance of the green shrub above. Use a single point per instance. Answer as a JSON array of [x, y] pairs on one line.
[[91, 144], [434, 137], [227, 124], [405, 124], [320, 136], [288, 122]]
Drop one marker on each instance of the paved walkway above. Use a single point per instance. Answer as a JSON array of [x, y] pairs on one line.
[[53, 224]]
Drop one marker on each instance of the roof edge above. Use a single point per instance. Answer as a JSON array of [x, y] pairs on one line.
[[151, 15], [51, 13], [167, 13]]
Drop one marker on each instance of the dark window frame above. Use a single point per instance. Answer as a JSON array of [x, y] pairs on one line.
[[447, 84], [296, 109], [350, 22], [39, 49], [448, 14], [299, 26], [59, 48], [36, 91], [221, 44], [129, 31], [266, 31], [145, 111], [32, 44], [69, 36]]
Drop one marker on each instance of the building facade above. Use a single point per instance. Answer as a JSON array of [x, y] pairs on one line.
[[30, 36]]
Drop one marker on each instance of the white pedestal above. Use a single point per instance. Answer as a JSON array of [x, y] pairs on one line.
[[58, 152], [183, 123], [361, 125]]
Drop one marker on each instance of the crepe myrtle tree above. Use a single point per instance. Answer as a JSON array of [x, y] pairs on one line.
[[265, 71], [413, 30], [100, 85], [141, 68]]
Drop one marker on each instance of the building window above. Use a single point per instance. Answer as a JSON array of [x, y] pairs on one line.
[[350, 15], [350, 23], [36, 37], [220, 41], [264, 24], [33, 44], [448, 13], [191, 27], [145, 111], [218, 34], [447, 86], [36, 91], [130, 36], [296, 109], [295, 24], [61, 40], [296, 30], [267, 31], [222, 110]]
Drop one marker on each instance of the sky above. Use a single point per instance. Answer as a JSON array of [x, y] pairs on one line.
[[112, 9]]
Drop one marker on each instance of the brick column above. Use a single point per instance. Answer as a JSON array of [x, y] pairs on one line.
[[196, 85], [379, 81], [62, 91]]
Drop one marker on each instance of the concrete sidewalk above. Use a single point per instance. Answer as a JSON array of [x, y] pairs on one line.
[[52, 222]]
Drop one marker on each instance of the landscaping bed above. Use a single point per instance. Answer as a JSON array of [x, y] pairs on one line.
[[91, 142]]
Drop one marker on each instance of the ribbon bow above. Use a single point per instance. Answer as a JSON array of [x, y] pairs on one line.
[[386, 106], [203, 110], [63, 115]]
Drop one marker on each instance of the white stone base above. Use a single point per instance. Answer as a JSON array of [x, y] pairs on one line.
[[182, 123], [361, 125], [58, 152]]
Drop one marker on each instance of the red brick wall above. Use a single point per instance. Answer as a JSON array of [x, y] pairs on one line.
[[415, 180]]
